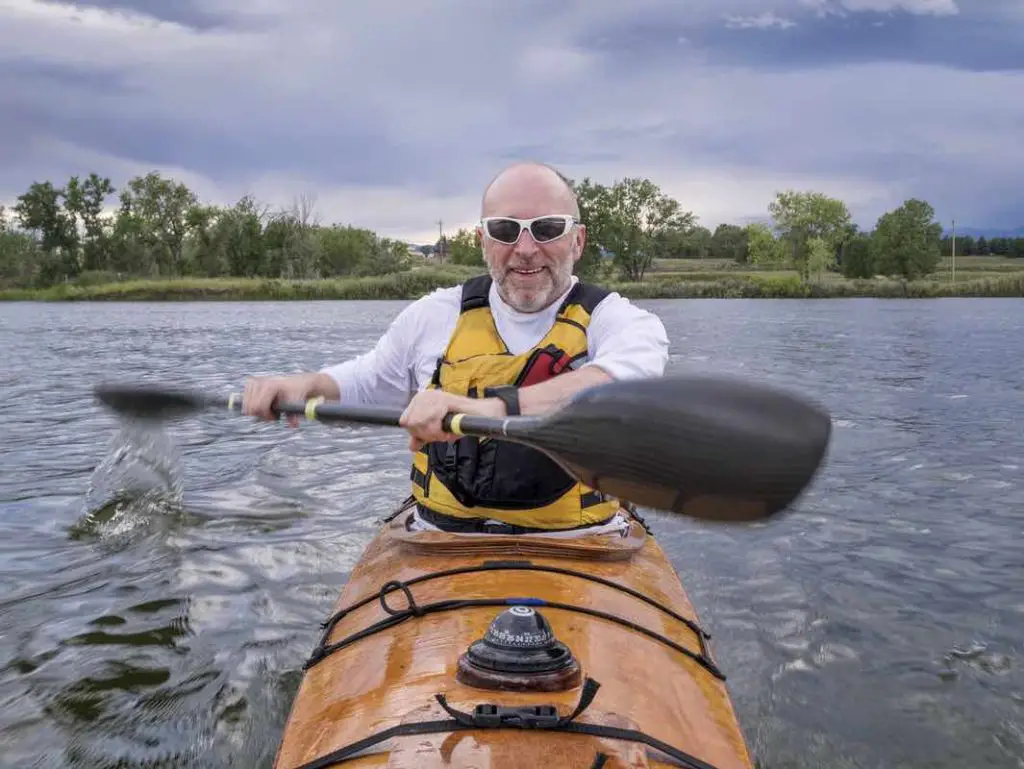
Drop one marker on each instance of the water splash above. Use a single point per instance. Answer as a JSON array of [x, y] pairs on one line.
[[977, 657], [139, 482]]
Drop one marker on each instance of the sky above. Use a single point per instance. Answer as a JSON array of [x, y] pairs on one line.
[[394, 114]]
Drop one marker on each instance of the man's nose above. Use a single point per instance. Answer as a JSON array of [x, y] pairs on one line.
[[526, 245]]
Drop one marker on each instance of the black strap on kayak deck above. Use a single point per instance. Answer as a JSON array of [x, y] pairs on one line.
[[324, 648], [490, 716], [416, 610]]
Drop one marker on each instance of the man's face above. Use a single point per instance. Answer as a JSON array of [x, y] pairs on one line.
[[531, 272]]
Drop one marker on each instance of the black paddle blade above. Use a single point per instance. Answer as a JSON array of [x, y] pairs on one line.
[[709, 447], [151, 402]]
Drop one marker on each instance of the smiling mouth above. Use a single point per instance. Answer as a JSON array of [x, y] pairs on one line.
[[523, 271]]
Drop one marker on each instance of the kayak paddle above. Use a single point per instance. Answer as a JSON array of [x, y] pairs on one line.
[[709, 447]]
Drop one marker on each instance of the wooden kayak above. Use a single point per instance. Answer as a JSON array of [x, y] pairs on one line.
[[501, 651]]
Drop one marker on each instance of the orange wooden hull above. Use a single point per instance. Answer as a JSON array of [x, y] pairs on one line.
[[391, 677]]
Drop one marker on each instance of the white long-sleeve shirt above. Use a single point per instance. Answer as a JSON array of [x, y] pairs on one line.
[[626, 341]]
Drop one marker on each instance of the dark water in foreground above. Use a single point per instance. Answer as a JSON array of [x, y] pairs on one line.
[[878, 626]]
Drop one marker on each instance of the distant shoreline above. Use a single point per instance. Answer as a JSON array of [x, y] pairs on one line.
[[414, 284]]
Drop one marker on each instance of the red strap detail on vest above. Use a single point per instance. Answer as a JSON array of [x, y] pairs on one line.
[[543, 365]]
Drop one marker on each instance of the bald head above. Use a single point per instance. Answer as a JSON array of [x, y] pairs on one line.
[[531, 274], [529, 186]]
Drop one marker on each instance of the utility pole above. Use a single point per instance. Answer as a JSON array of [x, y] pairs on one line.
[[440, 241], [953, 257]]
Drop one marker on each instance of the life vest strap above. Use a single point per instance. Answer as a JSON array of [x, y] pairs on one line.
[[476, 294]]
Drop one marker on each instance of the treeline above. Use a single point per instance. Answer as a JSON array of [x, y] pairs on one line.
[[161, 229], [806, 231], [155, 227], [968, 245]]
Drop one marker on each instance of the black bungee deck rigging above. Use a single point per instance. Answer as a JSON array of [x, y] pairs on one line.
[[489, 716]]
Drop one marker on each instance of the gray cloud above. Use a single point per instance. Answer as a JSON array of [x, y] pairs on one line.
[[190, 13], [395, 114]]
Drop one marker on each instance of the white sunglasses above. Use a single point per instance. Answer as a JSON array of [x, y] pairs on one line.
[[544, 229]]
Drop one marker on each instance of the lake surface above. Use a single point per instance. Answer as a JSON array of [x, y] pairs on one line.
[[160, 591]]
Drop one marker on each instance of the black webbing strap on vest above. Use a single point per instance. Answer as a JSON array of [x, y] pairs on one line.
[[587, 296], [475, 293], [490, 716]]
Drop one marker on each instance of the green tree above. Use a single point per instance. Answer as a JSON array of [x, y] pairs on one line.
[[632, 219], [204, 254], [160, 209], [382, 257], [763, 248], [40, 211], [343, 248], [688, 242], [464, 248], [1000, 246], [799, 217], [84, 203], [292, 248], [906, 241], [239, 237], [821, 257], [730, 242], [594, 215], [18, 254], [965, 245], [858, 258]]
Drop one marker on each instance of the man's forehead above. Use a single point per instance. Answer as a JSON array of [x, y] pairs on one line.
[[528, 187]]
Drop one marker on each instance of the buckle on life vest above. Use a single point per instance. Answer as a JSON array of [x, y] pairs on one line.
[[543, 364]]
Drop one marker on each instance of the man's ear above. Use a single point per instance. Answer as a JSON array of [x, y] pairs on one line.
[[581, 241]]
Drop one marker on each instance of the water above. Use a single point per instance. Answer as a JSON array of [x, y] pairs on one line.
[[159, 591]]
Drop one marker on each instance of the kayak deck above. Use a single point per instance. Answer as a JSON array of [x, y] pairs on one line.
[[614, 601]]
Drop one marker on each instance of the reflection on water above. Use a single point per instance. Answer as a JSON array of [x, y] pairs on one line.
[[160, 589]]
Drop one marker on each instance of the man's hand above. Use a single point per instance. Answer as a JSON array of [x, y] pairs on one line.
[[261, 393], [422, 417]]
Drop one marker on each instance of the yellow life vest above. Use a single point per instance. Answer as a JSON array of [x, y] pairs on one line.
[[500, 480]]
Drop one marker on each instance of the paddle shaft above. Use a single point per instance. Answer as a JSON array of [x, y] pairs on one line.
[[322, 411]]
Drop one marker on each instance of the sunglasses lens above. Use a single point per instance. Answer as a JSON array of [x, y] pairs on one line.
[[504, 230], [548, 228]]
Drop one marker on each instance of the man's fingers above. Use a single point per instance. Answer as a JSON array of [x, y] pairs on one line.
[[261, 393], [247, 398], [256, 399], [423, 418]]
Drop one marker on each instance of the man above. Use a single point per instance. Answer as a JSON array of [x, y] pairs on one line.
[[521, 340]]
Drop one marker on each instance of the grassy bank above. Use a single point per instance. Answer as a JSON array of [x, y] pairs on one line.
[[403, 285], [669, 279]]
